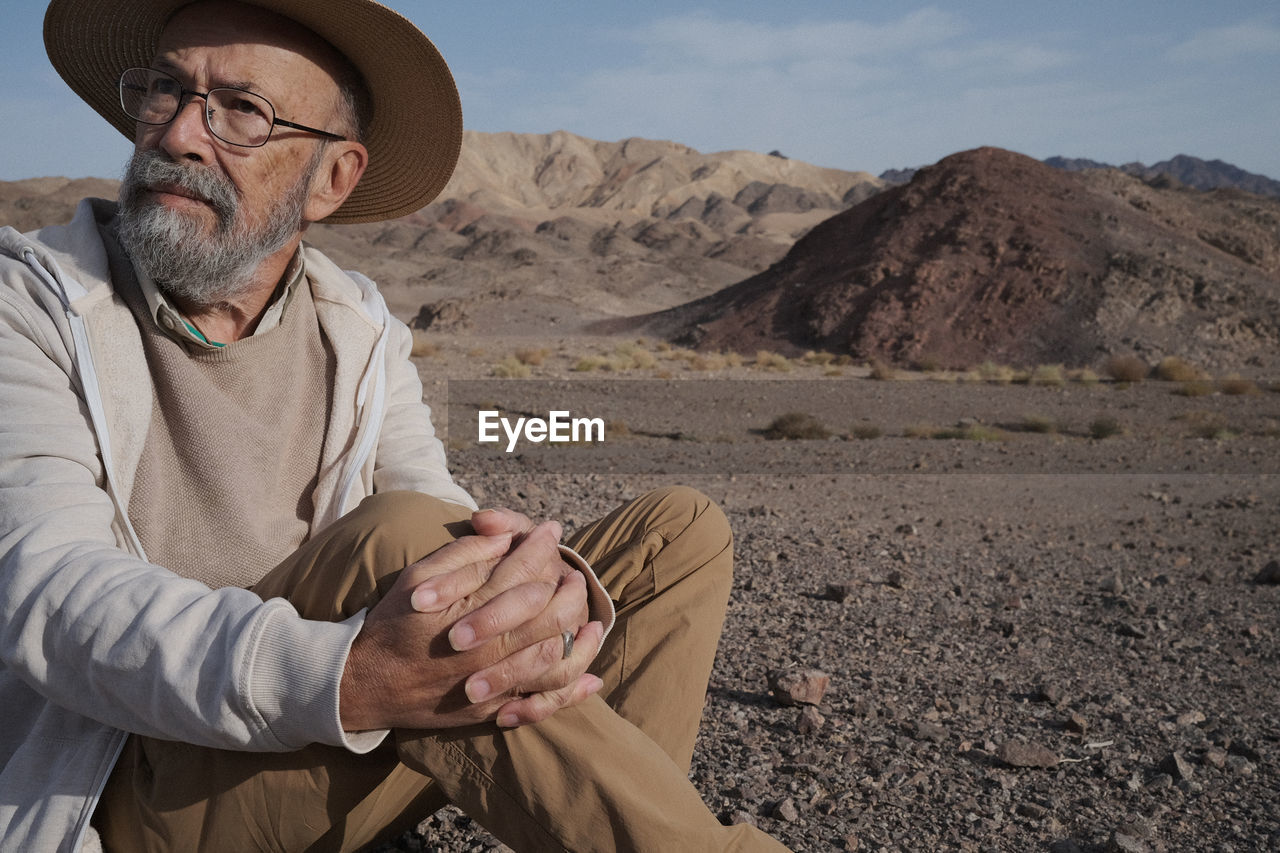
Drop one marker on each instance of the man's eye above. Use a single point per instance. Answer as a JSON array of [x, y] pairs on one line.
[[164, 88], [243, 106]]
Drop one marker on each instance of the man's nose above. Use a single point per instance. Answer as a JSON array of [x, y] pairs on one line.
[[187, 135]]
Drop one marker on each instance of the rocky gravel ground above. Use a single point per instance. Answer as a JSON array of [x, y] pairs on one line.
[[1036, 641]]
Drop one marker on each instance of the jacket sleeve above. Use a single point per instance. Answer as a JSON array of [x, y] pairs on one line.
[[409, 455], [101, 632]]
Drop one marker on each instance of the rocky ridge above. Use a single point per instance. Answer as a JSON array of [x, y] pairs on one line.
[[993, 255]]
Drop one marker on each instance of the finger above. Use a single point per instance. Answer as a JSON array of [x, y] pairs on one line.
[[503, 613], [540, 706], [450, 573], [540, 668], [567, 609], [534, 559], [496, 520]]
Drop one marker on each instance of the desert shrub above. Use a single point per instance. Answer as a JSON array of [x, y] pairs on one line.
[[833, 371], [1173, 369], [989, 371], [1194, 388], [616, 428], [1048, 376], [1084, 376], [511, 368], [707, 361], [1039, 423], [476, 352], [919, 431], [928, 364], [1126, 368], [1105, 427], [795, 426], [733, 359], [532, 357], [588, 363], [1208, 425], [881, 370], [844, 360], [818, 358], [767, 360], [664, 346], [422, 346], [866, 431], [1236, 386]]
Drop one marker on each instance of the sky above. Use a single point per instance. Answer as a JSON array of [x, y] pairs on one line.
[[859, 85]]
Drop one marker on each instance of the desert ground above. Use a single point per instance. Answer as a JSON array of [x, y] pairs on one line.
[[1041, 604]]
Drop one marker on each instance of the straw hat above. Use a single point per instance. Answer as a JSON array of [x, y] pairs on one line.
[[416, 131]]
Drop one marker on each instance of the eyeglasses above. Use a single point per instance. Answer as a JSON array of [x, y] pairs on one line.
[[233, 115]]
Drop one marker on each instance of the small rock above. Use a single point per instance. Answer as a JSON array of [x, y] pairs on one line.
[[1022, 754], [906, 529], [1035, 811], [810, 721], [1077, 723], [839, 592], [1239, 765], [898, 579], [1050, 693], [740, 817], [1128, 629], [1191, 718], [786, 810], [851, 842], [1160, 781], [1121, 842], [1214, 757], [1113, 584], [1270, 574], [798, 687], [1065, 845], [925, 730], [1177, 766]]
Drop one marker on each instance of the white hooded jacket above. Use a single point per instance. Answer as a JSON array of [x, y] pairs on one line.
[[82, 612]]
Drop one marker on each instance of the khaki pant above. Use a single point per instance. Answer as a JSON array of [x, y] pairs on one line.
[[608, 774]]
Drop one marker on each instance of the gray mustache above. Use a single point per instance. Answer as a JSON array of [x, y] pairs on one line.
[[148, 168]]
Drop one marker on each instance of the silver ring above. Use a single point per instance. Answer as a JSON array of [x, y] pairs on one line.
[[566, 637]]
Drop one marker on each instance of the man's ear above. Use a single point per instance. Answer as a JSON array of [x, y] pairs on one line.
[[339, 172]]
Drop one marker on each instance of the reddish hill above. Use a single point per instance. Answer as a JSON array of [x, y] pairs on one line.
[[993, 255]]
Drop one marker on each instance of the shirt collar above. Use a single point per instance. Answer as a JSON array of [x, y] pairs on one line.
[[174, 324]]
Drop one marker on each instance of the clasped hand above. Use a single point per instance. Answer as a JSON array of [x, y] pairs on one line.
[[472, 633]]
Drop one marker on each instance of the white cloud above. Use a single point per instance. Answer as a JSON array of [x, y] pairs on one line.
[[1225, 43]]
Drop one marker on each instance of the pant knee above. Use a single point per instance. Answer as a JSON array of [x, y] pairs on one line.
[[700, 521]]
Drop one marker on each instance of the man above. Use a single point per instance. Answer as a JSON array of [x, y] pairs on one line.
[[242, 604]]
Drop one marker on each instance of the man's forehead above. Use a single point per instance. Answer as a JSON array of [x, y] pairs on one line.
[[230, 24]]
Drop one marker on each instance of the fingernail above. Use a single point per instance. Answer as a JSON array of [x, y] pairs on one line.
[[557, 529], [594, 684], [462, 637], [508, 720], [477, 690], [424, 599]]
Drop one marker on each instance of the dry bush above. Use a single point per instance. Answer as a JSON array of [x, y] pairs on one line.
[[708, 361], [796, 426], [664, 346], [833, 371], [866, 431], [1174, 369], [532, 357], [1194, 388], [511, 368], [818, 358], [1126, 368], [1048, 376], [588, 363], [1236, 386], [733, 359], [844, 360], [919, 431], [1040, 424], [881, 370], [1208, 425], [1084, 376], [1105, 427], [767, 360], [616, 428], [476, 352], [989, 371], [928, 364]]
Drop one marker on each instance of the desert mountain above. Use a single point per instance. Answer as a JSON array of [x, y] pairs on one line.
[[1191, 171], [993, 255]]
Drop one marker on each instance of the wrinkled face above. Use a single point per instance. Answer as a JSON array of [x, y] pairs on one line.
[[199, 214]]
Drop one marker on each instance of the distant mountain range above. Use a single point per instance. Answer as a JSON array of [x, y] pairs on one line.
[[1189, 171]]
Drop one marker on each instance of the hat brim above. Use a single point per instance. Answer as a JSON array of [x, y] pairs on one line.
[[415, 134]]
